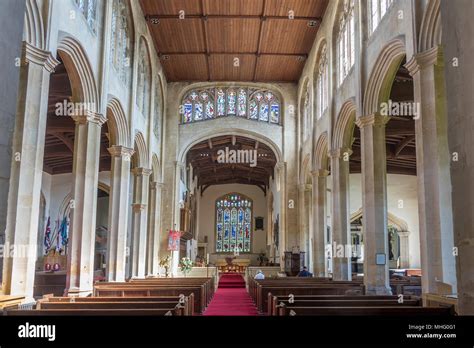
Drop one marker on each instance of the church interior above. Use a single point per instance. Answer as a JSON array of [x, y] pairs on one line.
[[237, 158]]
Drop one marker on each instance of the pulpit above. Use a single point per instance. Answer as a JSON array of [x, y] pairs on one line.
[[294, 262]]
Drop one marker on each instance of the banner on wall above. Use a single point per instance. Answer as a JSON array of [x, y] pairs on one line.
[[173, 240]]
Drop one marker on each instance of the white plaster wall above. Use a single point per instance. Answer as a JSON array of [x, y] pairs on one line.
[[207, 219]]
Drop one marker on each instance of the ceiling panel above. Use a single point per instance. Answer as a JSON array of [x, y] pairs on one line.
[[278, 68], [233, 35], [177, 35], [301, 8], [189, 67], [233, 7], [292, 36], [223, 69], [172, 7]]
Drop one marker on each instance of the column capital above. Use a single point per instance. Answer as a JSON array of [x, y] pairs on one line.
[[371, 120], [138, 207], [141, 171], [154, 185], [403, 234], [430, 57], [120, 151], [338, 153], [90, 116], [320, 173], [38, 56]]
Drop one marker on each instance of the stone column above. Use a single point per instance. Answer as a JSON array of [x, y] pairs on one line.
[[374, 204], [340, 214], [139, 226], [459, 48], [404, 249], [27, 169], [319, 222], [302, 210], [118, 212], [84, 209], [282, 233], [154, 228], [434, 179]]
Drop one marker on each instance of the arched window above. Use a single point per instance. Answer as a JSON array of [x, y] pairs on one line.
[[346, 41], [143, 80], [88, 8], [322, 83], [120, 45], [158, 105], [377, 9], [233, 223], [211, 103]]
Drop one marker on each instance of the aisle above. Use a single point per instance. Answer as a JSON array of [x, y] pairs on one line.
[[231, 298]]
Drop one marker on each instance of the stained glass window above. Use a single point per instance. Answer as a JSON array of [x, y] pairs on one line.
[[233, 223], [211, 103], [88, 9]]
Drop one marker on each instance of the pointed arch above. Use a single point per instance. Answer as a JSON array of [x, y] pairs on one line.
[[141, 152], [344, 127], [321, 158], [430, 30], [34, 28], [79, 69], [117, 123], [400, 224], [381, 78]]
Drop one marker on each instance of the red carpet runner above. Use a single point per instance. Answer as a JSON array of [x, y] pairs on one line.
[[231, 298]]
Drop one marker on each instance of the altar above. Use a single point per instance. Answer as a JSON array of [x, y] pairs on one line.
[[232, 265]]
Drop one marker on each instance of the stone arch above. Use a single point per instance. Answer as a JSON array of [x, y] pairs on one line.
[[430, 30], [392, 219], [305, 171], [141, 152], [104, 187], [213, 133], [344, 127], [383, 73], [156, 168], [34, 28], [321, 158], [79, 69], [117, 123], [65, 207]]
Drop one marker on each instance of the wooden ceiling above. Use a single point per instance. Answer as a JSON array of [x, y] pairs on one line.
[[399, 132], [60, 130], [204, 45], [203, 157]]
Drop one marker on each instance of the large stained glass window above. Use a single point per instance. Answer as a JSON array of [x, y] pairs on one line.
[[211, 103], [233, 223]]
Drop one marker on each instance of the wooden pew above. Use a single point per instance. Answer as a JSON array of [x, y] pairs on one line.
[[174, 311], [200, 301], [337, 301], [187, 301], [285, 310]]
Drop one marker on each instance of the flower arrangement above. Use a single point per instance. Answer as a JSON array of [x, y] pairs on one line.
[[185, 265], [165, 262]]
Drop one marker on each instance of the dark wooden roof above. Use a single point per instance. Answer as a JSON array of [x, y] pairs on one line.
[[203, 157]]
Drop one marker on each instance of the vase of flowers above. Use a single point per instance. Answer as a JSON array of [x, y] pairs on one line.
[[185, 265], [165, 262]]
